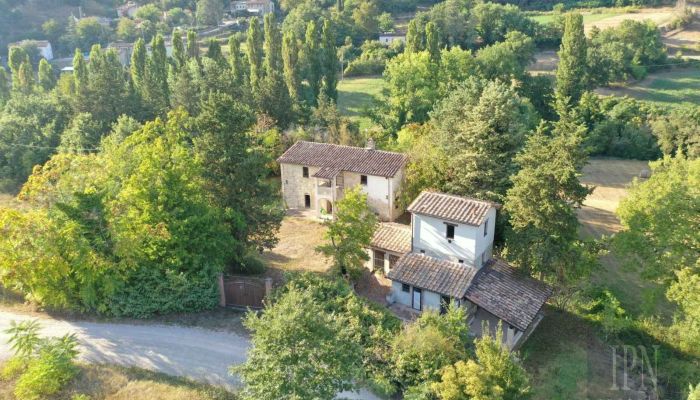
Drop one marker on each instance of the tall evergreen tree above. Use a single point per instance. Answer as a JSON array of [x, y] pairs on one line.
[[138, 64], [235, 60], [329, 62], [272, 46], [290, 57], [178, 49], [432, 36], [4, 86], [254, 47], [192, 45], [15, 58], [572, 71], [214, 50], [80, 74], [276, 101], [544, 234], [155, 87], [310, 58], [26, 77], [414, 37], [47, 80]]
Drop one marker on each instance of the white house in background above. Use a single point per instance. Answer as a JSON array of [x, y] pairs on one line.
[[124, 50], [261, 7], [127, 10], [315, 176], [387, 38], [449, 257], [44, 47]]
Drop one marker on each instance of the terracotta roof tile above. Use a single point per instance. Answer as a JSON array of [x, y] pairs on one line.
[[346, 158], [506, 293], [450, 207], [392, 237], [441, 276]]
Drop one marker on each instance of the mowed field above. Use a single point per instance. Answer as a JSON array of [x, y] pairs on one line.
[[357, 94], [607, 17], [667, 89]]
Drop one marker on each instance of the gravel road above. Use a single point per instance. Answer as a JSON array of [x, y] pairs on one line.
[[196, 353]]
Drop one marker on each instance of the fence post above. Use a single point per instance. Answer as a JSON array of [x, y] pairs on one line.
[[268, 286], [222, 291]]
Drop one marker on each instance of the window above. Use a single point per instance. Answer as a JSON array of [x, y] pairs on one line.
[[450, 233], [461, 261], [422, 251], [379, 260], [405, 288], [305, 172], [363, 180], [486, 227]]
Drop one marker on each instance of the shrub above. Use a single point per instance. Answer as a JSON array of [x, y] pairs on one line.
[[12, 368], [606, 309]]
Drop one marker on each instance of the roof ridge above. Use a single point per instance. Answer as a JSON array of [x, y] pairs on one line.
[[351, 147], [458, 196]]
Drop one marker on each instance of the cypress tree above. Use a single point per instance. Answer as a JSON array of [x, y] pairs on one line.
[[155, 85], [237, 69], [572, 71], [414, 37], [433, 42], [178, 50], [329, 62], [4, 86], [290, 56], [80, 74], [214, 50], [254, 49], [311, 61], [273, 51], [192, 45], [26, 77], [138, 64], [16, 57], [47, 80], [276, 101]]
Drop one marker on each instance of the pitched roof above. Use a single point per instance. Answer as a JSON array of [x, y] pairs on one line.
[[450, 207], [506, 293], [440, 276], [392, 237], [346, 158]]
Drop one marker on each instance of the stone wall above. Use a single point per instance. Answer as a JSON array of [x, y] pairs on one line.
[[295, 186]]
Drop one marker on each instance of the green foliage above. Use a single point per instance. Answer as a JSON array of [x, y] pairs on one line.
[[481, 126], [350, 233], [298, 351], [82, 135], [541, 202], [660, 230], [495, 374], [209, 12], [47, 80], [494, 21], [329, 62], [677, 132], [606, 310], [423, 348], [254, 48], [694, 393], [572, 71]]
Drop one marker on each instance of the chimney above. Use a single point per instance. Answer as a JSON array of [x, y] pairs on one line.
[[370, 144]]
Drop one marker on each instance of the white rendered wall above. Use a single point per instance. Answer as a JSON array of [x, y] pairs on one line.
[[400, 296]]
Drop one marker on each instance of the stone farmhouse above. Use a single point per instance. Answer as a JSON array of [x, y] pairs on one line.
[[447, 255], [315, 176]]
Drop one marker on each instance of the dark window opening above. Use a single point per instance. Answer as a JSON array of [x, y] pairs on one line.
[[461, 261], [305, 172], [422, 251], [405, 288], [486, 227], [444, 304], [307, 201], [363, 180], [450, 234], [379, 260]]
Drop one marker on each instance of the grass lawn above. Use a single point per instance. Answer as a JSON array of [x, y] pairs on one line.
[[588, 17], [111, 382], [356, 94], [666, 89]]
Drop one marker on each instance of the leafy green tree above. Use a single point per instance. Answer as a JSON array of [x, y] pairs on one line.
[[185, 87], [660, 228], [677, 131], [544, 235], [4, 87], [47, 80], [482, 126], [214, 50], [694, 393], [506, 60], [329, 62], [82, 135], [237, 177], [432, 42], [17, 55], [26, 78], [290, 58], [572, 71], [106, 95], [493, 21], [155, 85], [311, 60], [423, 348], [210, 12], [453, 19], [138, 64], [299, 351], [495, 374], [192, 45], [235, 60], [127, 30], [349, 233], [89, 31], [179, 54], [414, 37], [254, 49], [685, 291]]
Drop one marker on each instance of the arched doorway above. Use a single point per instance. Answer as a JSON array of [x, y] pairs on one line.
[[327, 206]]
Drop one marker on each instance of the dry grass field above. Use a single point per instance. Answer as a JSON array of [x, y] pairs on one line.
[[611, 177], [659, 16], [299, 236]]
